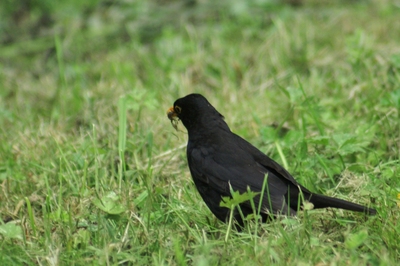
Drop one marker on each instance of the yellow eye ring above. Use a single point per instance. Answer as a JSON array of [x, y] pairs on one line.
[[178, 109]]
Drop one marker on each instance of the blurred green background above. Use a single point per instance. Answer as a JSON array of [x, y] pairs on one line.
[[92, 172]]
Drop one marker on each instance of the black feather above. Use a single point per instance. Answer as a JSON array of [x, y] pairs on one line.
[[218, 158]]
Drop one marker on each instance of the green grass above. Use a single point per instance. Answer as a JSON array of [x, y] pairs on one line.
[[92, 172]]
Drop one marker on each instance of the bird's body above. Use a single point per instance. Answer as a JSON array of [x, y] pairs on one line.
[[219, 159]]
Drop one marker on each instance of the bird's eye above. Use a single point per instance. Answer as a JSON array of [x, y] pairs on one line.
[[178, 109]]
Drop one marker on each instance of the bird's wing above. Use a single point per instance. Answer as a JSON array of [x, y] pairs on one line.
[[272, 167], [220, 168]]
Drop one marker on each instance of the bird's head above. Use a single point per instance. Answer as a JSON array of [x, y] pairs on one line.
[[194, 111]]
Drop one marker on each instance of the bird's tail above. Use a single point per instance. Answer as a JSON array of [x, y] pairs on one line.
[[321, 201]]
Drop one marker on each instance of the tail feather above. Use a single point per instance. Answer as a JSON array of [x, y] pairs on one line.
[[321, 201]]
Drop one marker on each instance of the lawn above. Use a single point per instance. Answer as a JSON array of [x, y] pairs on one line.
[[93, 173]]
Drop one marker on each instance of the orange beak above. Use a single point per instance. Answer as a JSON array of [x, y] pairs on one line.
[[172, 115]]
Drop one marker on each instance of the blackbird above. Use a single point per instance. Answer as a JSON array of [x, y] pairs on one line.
[[220, 160]]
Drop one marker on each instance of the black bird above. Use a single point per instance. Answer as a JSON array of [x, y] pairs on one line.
[[219, 159]]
